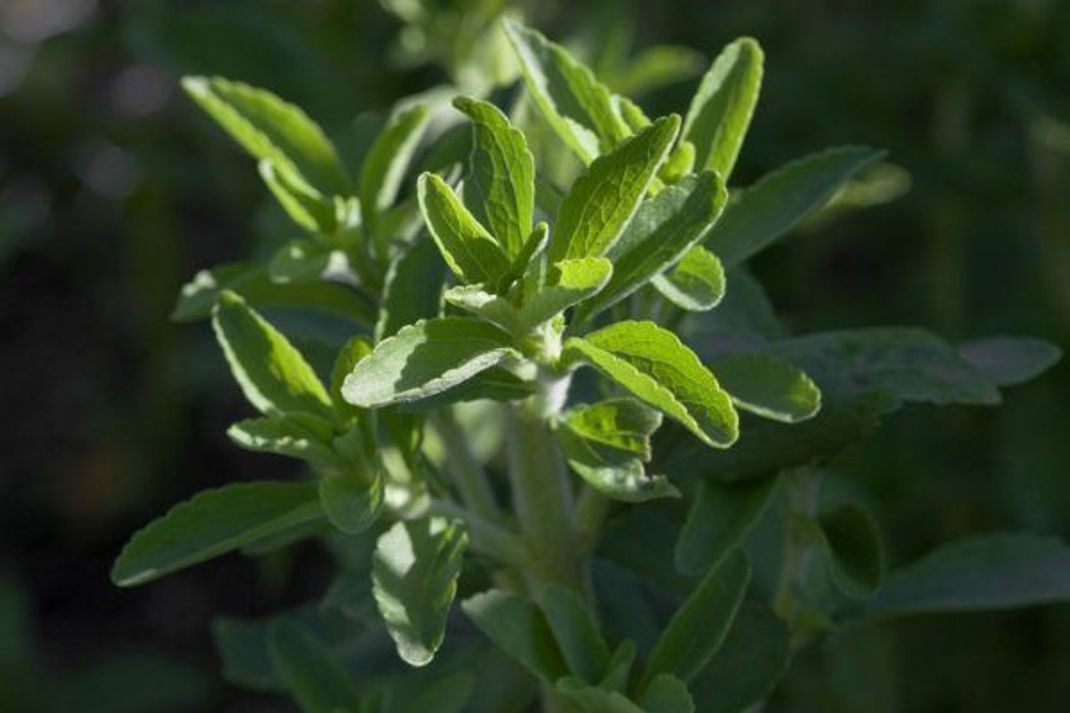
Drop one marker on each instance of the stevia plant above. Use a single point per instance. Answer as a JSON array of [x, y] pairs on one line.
[[570, 403]]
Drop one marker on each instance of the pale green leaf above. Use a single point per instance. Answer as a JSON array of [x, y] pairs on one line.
[[603, 200], [780, 200], [681, 163], [499, 189], [269, 128], [424, 359], [487, 305], [657, 368], [303, 203], [519, 628], [657, 67], [617, 474], [699, 627], [412, 289], [721, 517], [414, 580], [663, 230], [979, 573], [567, 283], [213, 523], [309, 671], [256, 287], [298, 435], [696, 283], [273, 375], [721, 109], [352, 501], [1008, 361], [576, 632], [575, 104], [590, 699], [495, 384], [768, 386], [623, 424], [469, 250], [385, 165]]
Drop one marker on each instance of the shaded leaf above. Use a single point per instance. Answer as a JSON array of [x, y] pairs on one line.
[[412, 289], [616, 474], [298, 435], [1007, 361], [768, 386], [500, 186], [696, 283], [308, 670], [414, 580], [780, 200], [273, 375], [385, 165], [212, 523], [468, 249], [519, 628], [852, 549], [982, 572], [623, 424], [352, 501], [667, 694], [576, 632], [720, 519]]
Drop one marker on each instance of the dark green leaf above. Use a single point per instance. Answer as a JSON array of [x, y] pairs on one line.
[[853, 550], [352, 501], [768, 386], [576, 632], [298, 435], [667, 694], [782, 199], [385, 165], [309, 671], [1007, 361], [412, 289], [519, 628], [720, 519], [213, 523], [696, 283], [979, 573]]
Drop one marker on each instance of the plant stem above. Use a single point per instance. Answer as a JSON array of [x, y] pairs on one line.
[[542, 494], [486, 537], [465, 470], [591, 510], [802, 490]]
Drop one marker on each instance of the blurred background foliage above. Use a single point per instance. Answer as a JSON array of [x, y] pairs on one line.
[[114, 190]]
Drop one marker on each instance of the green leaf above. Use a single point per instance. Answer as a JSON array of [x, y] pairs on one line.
[[494, 384], [721, 109], [355, 350], [698, 628], [213, 523], [750, 662], [298, 435], [657, 67], [852, 550], [269, 128], [1008, 361], [303, 203], [782, 199], [425, 359], [568, 282], [696, 283], [412, 289], [720, 519], [978, 573], [616, 474], [486, 305], [256, 287], [500, 186], [273, 375], [603, 200], [576, 632], [574, 103], [519, 628], [450, 694], [622, 424], [680, 164], [663, 230], [667, 694], [768, 386], [655, 366], [468, 249], [304, 260], [309, 671], [619, 667], [352, 501], [385, 165], [590, 699], [414, 580], [531, 252]]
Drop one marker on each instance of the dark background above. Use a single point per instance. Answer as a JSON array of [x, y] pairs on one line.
[[114, 190]]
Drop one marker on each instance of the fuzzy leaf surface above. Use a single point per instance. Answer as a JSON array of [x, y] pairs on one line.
[[469, 250]]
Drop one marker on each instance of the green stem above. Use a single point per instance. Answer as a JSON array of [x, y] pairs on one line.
[[465, 470], [802, 488], [486, 537], [542, 493], [592, 508]]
